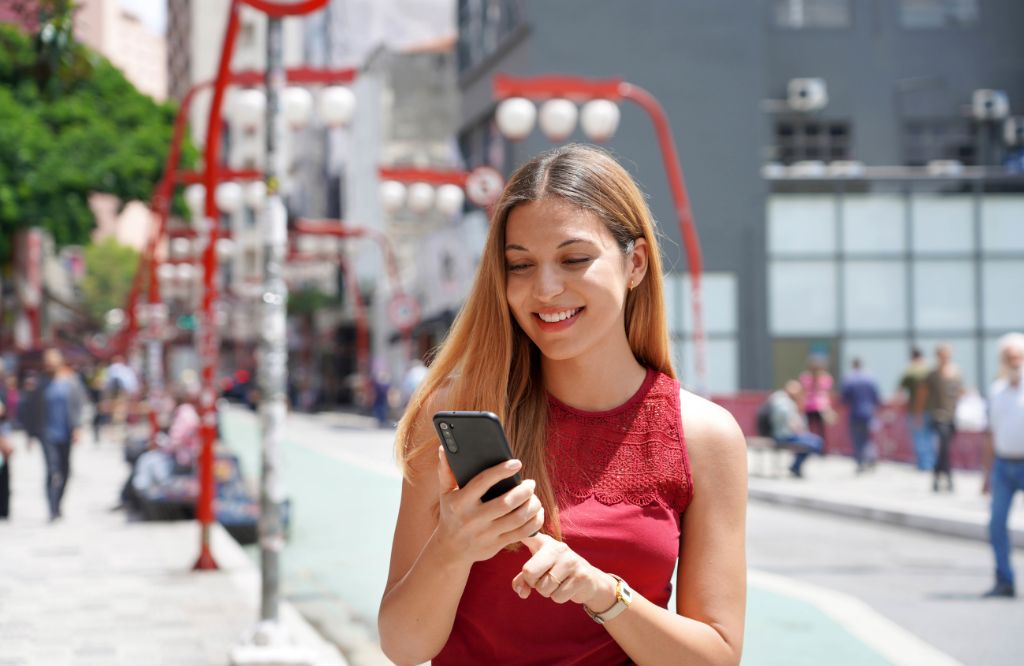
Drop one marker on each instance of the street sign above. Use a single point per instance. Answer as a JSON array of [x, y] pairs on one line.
[[404, 312], [484, 185]]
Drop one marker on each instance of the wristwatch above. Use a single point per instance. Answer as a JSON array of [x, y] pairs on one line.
[[623, 598]]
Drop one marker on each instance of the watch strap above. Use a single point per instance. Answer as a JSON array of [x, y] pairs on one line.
[[623, 598]]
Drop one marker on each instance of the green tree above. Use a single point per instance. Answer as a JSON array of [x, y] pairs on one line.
[[109, 268], [71, 125]]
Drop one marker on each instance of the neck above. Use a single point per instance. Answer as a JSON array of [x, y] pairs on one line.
[[600, 380]]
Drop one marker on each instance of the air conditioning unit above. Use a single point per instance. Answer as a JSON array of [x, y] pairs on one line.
[[990, 104], [808, 169], [1013, 131], [807, 94], [846, 168]]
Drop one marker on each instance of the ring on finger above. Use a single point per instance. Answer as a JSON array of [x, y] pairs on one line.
[[551, 576]]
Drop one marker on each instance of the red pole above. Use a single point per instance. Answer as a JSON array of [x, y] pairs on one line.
[[208, 342], [684, 216]]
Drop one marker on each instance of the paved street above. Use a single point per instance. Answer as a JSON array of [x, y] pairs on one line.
[[856, 591]]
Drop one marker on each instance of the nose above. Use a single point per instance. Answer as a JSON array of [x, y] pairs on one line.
[[547, 283]]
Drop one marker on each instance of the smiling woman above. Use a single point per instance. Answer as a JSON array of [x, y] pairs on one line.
[[564, 337]]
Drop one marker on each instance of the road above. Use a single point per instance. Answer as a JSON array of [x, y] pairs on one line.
[[823, 589]]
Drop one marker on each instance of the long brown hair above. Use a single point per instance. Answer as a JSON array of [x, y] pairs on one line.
[[488, 363]]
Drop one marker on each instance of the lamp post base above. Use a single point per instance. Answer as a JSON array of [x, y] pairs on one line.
[[269, 644], [205, 561]]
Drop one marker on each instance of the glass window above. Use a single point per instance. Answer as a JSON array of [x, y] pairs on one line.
[[1002, 306], [883, 359], [874, 296], [944, 296], [965, 356], [718, 298], [920, 14], [802, 224], [874, 224], [812, 13], [722, 364], [942, 224], [802, 298], [1002, 223]]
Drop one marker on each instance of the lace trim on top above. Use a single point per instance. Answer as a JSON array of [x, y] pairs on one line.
[[634, 453]]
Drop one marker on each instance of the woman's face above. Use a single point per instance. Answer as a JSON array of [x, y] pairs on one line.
[[567, 278]]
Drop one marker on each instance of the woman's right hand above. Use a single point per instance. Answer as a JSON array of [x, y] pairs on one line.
[[475, 530]]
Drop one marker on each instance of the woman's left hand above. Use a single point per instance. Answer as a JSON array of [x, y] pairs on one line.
[[558, 573]]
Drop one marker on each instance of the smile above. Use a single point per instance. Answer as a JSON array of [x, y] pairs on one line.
[[555, 317]]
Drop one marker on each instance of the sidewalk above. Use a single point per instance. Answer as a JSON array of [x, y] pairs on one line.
[[894, 493], [94, 589]]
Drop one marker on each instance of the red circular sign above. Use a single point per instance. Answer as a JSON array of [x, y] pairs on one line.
[[484, 185], [404, 311]]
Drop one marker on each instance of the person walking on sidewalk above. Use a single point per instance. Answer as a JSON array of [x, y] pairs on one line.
[[921, 434], [564, 337], [939, 394], [58, 403], [1006, 439], [860, 395], [817, 397]]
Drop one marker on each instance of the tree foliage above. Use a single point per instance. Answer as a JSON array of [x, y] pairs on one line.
[[109, 268], [71, 125]]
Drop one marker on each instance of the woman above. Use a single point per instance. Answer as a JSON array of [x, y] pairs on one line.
[[817, 384], [564, 336]]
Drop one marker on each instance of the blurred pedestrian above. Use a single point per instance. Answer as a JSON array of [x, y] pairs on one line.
[[411, 381], [56, 414], [10, 395], [921, 435], [789, 425], [817, 397], [564, 336], [6, 451], [121, 386], [382, 398], [938, 396], [860, 395], [1006, 440]]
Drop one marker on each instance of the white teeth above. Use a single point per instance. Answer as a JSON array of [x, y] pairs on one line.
[[558, 316]]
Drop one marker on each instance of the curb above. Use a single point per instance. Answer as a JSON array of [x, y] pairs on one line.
[[936, 524]]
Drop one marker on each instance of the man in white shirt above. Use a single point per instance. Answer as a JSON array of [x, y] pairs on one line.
[[1006, 424]]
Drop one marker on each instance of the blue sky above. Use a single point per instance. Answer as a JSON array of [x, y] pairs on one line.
[[153, 13]]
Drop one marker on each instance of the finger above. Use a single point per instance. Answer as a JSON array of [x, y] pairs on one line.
[[536, 542], [445, 478], [508, 525], [538, 565], [520, 587], [510, 501], [483, 481], [547, 584]]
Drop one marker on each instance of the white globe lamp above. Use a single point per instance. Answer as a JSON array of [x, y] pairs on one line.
[[229, 197], [114, 319], [248, 107], [181, 248], [392, 196], [308, 244], [515, 117], [599, 119], [558, 119], [195, 198], [165, 273], [421, 197], [184, 272], [450, 199], [298, 107], [337, 106], [256, 194], [225, 249]]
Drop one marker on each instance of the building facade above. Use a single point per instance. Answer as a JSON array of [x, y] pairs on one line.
[[853, 193]]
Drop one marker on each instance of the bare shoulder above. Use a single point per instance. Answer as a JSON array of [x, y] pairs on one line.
[[714, 441]]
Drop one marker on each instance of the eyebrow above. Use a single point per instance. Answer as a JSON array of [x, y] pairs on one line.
[[564, 243]]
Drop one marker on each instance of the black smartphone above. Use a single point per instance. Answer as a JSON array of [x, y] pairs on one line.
[[474, 441]]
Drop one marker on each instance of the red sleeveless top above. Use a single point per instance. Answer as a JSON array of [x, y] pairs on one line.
[[622, 480]]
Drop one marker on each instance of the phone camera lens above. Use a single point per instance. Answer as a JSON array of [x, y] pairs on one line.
[[444, 426]]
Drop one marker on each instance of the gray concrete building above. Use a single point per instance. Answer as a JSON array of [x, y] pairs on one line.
[[855, 168]]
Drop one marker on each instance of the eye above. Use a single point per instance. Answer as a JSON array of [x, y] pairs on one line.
[[516, 267], [574, 261]]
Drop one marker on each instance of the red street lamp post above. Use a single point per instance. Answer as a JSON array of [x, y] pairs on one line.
[[600, 120]]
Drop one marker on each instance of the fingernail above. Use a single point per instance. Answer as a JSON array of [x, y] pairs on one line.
[[514, 464]]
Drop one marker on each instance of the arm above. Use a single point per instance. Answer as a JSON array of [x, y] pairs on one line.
[[441, 531], [707, 624]]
